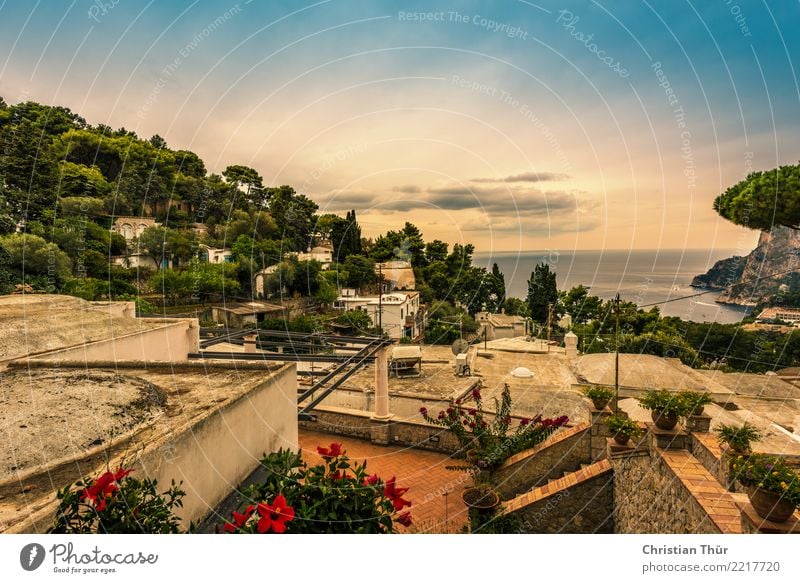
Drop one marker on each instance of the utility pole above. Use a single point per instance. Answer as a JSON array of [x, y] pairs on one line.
[[549, 322], [616, 355]]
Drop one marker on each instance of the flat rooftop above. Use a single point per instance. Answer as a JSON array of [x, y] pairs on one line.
[[37, 323], [53, 412]]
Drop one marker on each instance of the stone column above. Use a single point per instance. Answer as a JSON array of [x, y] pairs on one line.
[[380, 423], [382, 384], [250, 343]]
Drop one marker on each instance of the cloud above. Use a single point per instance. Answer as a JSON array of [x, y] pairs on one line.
[[502, 200], [528, 177], [410, 189]]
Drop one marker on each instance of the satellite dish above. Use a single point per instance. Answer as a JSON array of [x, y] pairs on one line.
[[459, 346]]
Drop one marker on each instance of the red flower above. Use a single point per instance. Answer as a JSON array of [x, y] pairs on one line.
[[103, 488], [476, 394], [274, 516], [458, 401], [338, 475], [372, 480], [395, 494], [424, 411], [473, 411], [524, 422], [239, 519], [327, 453], [404, 519]]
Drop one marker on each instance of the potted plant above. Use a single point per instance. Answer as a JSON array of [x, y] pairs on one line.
[[738, 438], [666, 407], [600, 396], [482, 498], [695, 401], [489, 439], [623, 428], [774, 487]]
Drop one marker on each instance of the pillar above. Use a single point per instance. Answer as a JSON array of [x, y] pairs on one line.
[[571, 345], [250, 343], [382, 384]]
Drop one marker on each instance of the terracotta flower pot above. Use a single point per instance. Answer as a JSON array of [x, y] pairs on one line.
[[622, 439], [770, 505], [481, 498], [663, 421]]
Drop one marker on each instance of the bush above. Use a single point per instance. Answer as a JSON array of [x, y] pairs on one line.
[[116, 503], [770, 473], [332, 497]]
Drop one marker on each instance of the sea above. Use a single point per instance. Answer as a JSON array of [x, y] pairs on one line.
[[641, 276]]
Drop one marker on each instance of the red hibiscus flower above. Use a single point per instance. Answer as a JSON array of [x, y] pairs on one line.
[[103, 488], [239, 519], [404, 519], [395, 494], [327, 453], [274, 516], [338, 475], [372, 480]]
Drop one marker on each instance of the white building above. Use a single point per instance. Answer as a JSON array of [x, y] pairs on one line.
[[322, 254], [496, 326], [132, 227], [400, 312], [214, 255]]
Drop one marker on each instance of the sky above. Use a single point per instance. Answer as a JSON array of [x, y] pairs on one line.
[[513, 125]]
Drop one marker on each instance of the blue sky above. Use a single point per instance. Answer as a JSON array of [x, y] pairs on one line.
[[513, 124]]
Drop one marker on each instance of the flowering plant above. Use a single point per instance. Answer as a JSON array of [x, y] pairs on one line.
[[770, 473], [117, 503], [336, 496], [488, 439]]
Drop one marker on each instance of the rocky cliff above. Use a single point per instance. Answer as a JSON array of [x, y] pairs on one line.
[[777, 251]]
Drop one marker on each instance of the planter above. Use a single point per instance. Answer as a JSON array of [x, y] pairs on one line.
[[662, 421], [622, 439], [600, 404], [481, 498], [698, 410], [769, 505]]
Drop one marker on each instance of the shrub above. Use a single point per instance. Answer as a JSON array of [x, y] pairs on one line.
[[117, 503], [336, 496]]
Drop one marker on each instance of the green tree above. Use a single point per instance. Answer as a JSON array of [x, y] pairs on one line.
[[360, 271], [542, 292], [249, 181], [31, 259], [763, 199], [436, 250]]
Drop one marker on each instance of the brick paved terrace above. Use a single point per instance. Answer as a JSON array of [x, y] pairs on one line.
[[435, 492]]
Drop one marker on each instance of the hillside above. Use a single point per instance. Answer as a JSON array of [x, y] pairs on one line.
[[743, 281]]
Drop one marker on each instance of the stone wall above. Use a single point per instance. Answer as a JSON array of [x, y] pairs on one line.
[[580, 502], [669, 492], [563, 452]]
